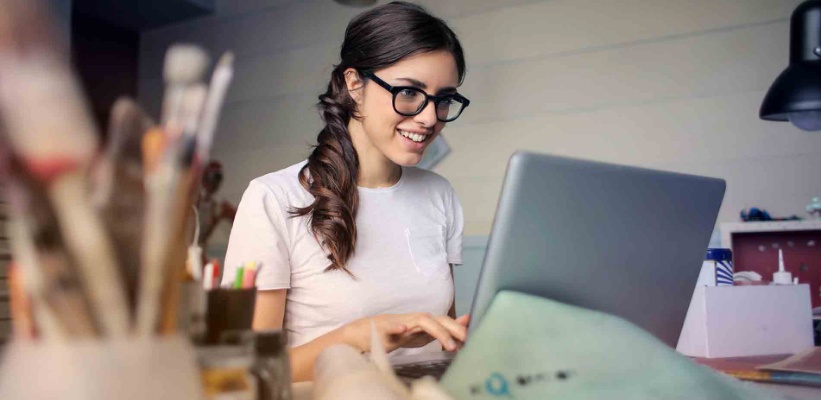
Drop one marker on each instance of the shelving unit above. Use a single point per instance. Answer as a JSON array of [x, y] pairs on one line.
[[755, 247]]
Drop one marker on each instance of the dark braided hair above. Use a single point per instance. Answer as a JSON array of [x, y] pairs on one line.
[[375, 39]]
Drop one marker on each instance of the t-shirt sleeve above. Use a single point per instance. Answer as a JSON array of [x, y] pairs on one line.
[[259, 234], [456, 224]]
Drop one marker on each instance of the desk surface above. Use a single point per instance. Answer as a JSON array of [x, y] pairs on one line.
[[304, 390], [749, 364]]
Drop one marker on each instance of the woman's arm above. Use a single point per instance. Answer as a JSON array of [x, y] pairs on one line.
[[396, 331], [452, 311], [269, 310], [269, 313]]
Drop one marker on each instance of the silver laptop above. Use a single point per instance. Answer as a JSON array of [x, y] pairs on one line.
[[622, 240]]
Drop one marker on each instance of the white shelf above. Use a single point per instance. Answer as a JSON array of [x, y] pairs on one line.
[[729, 228]]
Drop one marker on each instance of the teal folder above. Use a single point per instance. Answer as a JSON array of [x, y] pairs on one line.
[[528, 347]]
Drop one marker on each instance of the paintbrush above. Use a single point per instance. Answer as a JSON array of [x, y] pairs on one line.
[[49, 128], [167, 173], [184, 66], [117, 188], [196, 139], [220, 80], [60, 307], [186, 191]]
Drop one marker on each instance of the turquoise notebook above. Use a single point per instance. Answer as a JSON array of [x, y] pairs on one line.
[[528, 347]]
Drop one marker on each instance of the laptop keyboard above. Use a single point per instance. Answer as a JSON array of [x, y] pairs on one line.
[[417, 370]]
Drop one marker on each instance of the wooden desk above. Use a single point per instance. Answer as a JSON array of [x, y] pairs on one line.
[[747, 366]]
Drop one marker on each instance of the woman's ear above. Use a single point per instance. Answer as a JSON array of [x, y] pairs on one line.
[[354, 83]]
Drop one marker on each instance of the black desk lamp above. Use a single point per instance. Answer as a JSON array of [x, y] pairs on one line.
[[795, 95]]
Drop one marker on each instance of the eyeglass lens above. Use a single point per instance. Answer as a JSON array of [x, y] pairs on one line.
[[411, 101]]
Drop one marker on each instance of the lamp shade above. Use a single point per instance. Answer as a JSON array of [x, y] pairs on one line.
[[796, 94]]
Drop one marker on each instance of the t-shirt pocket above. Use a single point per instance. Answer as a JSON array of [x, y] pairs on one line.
[[427, 248]]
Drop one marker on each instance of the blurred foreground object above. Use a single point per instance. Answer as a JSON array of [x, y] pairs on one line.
[[158, 368], [529, 347], [341, 373], [97, 232]]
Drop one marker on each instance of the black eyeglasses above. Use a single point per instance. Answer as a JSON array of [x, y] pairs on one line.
[[410, 100]]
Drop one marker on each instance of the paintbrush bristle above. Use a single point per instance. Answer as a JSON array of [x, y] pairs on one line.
[[184, 64], [226, 60], [44, 110]]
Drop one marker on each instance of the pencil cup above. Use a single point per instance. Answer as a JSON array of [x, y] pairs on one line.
[[162, 368], [229, 311], [272, 367]]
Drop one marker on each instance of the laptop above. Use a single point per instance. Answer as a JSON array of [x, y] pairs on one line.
[[623, 240]]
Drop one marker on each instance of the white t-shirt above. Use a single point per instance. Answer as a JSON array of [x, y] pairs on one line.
[[407, 235]]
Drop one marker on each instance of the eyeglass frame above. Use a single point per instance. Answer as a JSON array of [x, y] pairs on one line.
[[395, 90]]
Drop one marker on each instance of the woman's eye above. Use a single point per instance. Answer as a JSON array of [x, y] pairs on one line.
[[446, 102], [408, 93]]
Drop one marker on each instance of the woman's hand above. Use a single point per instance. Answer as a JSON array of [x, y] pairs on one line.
[[408, 330]]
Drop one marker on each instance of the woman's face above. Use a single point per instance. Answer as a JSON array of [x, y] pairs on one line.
[[402, 139]]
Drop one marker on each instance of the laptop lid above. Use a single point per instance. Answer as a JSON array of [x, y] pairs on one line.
[[622, 240]]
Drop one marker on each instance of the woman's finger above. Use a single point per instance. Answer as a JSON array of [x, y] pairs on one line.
[[456, 329], [395, 328], [416, 329], [464, 320], [437, 331]]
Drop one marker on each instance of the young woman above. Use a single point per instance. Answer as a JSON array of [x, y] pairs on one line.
[[355, 235]]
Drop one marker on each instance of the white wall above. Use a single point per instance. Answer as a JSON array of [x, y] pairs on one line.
[[666, 84]]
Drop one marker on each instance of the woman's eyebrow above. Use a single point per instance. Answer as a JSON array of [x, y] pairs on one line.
[[422, 85]]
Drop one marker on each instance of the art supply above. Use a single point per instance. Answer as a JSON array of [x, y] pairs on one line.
[[53, 285], [122, 157], [184, 66], [117, 188], [182, 151], [217, 273], [208, 276], [152, 148], [100, 235], [56, 146], [238, 278], [180, 155], [230, 311], [20, 306], [782, 277], [167, 188], [175, 263], [272, 367], [249, 275], [221, 78], [194, 262]]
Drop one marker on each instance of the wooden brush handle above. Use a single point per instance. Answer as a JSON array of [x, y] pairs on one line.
[[177, 257]]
